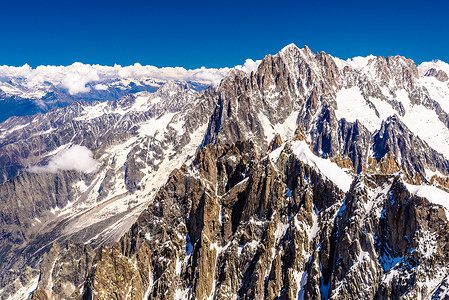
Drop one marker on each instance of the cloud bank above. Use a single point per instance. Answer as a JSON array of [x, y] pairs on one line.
[[74, 78], [78, 158], [78, 77]]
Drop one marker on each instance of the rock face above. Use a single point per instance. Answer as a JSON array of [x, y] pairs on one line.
[[63, 269], [440, 74], [231, 225], [298, 87], [263, 205], [395, 138]]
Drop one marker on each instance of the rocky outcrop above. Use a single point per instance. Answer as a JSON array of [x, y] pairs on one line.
[[413, 154], [96, 208], [440, 74], [62, 270], [25, 209], [216, 226]]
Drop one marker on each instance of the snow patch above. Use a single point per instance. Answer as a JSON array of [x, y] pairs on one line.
[[424, 123], [431, 193], [356, 63], [286, 129], [434, 64], [155, 126], [352, 107], [329, 169]]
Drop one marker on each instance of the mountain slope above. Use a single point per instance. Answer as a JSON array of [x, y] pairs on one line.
[[231, 225], [355, 136]]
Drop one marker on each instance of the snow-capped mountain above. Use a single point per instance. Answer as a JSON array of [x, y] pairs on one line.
[[300, 176]]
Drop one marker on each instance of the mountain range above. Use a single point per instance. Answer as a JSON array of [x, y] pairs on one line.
[[303, 176], [27, 91]]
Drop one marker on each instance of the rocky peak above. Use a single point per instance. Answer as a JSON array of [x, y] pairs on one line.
[[431, 72], [440, 74], [292, 48], [170, 87], [395, 71], [300, 135], [386, 166], [413, 154], [275, 143]]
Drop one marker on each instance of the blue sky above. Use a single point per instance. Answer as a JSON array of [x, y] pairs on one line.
[[215, 33]]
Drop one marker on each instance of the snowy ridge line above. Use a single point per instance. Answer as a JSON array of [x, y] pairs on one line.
[[434, 64], [359, 62]]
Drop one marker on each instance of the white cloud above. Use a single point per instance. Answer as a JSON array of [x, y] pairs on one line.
[[76, 77], [78, 158], [75, 82], [249, 65]]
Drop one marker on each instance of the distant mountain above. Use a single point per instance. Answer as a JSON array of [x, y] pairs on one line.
[[25, 91], [300, 176]]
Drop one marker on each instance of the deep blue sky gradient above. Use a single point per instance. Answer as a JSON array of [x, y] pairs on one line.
[[216, 33]]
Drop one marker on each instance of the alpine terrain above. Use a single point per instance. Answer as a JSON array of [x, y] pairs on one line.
[[303, 176]]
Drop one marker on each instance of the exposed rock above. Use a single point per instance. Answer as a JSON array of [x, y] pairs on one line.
[[396, 138], [275, 143], [63, 269], [440, 74]]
